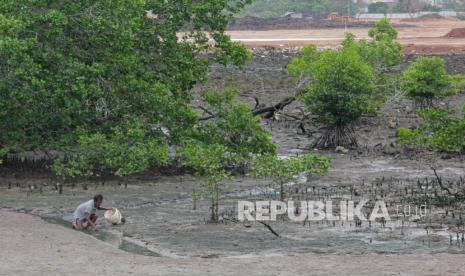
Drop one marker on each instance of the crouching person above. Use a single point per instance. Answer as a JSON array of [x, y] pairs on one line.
[[85, 214]]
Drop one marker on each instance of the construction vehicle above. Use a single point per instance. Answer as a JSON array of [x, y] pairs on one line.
[[334, 16]]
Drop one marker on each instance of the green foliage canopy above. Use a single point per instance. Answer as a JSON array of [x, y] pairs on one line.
[[107, 82], [129, 149], [382, 50], [426, 80], [69, 65], [233, 125], [342, 88]]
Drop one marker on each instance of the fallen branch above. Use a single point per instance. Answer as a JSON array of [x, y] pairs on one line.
[[206, 110], [269, 228], [270, 110], [439, 180], [207, 118]]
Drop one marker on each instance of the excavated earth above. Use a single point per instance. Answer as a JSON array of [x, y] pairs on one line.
[[456, 33]]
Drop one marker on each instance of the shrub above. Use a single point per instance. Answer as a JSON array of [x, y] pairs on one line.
[[439, 130], [427, 80], [382, 50], [208, 163], [340, 95]]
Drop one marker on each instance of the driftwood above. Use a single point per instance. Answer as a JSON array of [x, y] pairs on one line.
[[439, 180]]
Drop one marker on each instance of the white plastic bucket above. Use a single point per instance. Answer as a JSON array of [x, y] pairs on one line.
[[113, 216]]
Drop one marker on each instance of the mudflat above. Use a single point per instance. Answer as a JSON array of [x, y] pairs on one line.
[[31, 246]]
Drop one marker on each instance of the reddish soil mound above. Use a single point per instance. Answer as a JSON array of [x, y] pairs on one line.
[[456, 33], [412, 49]]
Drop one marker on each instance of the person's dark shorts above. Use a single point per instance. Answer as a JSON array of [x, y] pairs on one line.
[[82, 221]]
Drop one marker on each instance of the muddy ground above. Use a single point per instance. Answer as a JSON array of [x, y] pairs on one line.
[[30, 246], [160, 216]]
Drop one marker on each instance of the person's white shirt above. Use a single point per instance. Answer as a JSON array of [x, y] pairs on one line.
[[87, 207]]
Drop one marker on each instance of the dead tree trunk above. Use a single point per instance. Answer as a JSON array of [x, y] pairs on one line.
[[215, 203]]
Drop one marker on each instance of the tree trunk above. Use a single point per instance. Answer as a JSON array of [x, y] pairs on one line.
[[215, 203]]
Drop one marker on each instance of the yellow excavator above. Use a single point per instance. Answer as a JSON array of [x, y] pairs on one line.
[[334, 16]]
